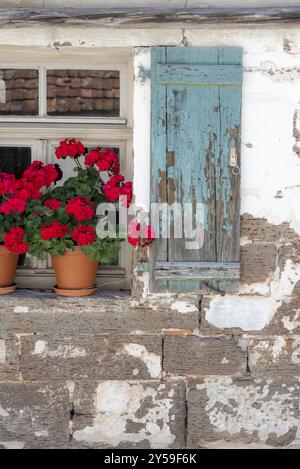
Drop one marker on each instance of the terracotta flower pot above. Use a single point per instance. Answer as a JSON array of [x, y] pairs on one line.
[[75, 273], [8, 266]]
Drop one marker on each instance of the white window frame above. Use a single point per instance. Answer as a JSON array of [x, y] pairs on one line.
[[40, 132]]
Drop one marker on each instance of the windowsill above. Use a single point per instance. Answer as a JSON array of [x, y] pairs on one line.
[[37, 295], [112, 278]]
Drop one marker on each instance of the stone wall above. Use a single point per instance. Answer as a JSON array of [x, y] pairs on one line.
[[114, 371]]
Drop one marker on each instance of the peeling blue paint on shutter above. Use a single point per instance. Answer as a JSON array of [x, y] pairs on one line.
[[196, 113]]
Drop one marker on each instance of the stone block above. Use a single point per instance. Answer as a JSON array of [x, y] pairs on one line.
[[192, 355], [241, 413], [95, 357], [47, 314], [34, 416], [120, 414], [279, 354]]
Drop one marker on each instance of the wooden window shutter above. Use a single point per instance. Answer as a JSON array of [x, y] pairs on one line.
[[195, 158]]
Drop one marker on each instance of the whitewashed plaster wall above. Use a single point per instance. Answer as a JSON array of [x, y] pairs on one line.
[[271, 109]]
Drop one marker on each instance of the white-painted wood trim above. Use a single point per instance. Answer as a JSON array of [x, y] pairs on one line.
[[59, 131]]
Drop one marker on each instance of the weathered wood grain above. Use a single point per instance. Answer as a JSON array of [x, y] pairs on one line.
[[146, 17], [197, 270], [158, 191], [191, 162]]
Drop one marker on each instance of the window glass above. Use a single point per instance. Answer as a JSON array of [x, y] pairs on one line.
[[83, 93], [14, 160], [19, 92]]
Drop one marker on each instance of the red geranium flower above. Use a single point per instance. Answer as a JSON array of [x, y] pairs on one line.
[[104, 158], [55, 230], [116, 187], [14, 204], [84, 235], [25, 190], [81, 208], [6, 182], [112, 189], [126, 193], [13, 241], [138, 234], [70, 147], [53, 204], [37, 176]]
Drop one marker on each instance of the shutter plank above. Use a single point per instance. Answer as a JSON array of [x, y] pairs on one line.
[[228, 184], [192, 176], [158, 194]]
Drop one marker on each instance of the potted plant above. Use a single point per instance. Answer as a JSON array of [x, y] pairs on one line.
[[63, 223], [16, 196]]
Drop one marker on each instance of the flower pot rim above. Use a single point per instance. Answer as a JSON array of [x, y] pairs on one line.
[[8, 290], [78, 292]]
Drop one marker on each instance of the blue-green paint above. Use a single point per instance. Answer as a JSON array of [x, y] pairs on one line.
[[196, 107]]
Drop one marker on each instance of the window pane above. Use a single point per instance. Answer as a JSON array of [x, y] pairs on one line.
[[83, 93], [14, 160], [19, 92]]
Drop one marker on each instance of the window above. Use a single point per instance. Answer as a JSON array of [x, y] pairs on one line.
[[52, 95]]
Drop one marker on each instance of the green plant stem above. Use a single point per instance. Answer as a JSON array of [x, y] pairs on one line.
[[78, 163], [93, 191]]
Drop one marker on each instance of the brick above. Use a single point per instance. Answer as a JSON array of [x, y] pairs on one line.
[[132, 415], [9, 359], [100, 356], [224, 411], [192, 355], [280, 354], [257, 262], [103, 313], [34, 416]]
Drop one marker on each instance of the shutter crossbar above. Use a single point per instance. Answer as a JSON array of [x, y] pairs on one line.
[[190, 74], [197, 270]]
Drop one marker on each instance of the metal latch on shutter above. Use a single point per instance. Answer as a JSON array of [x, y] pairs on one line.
[[233, 161]]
